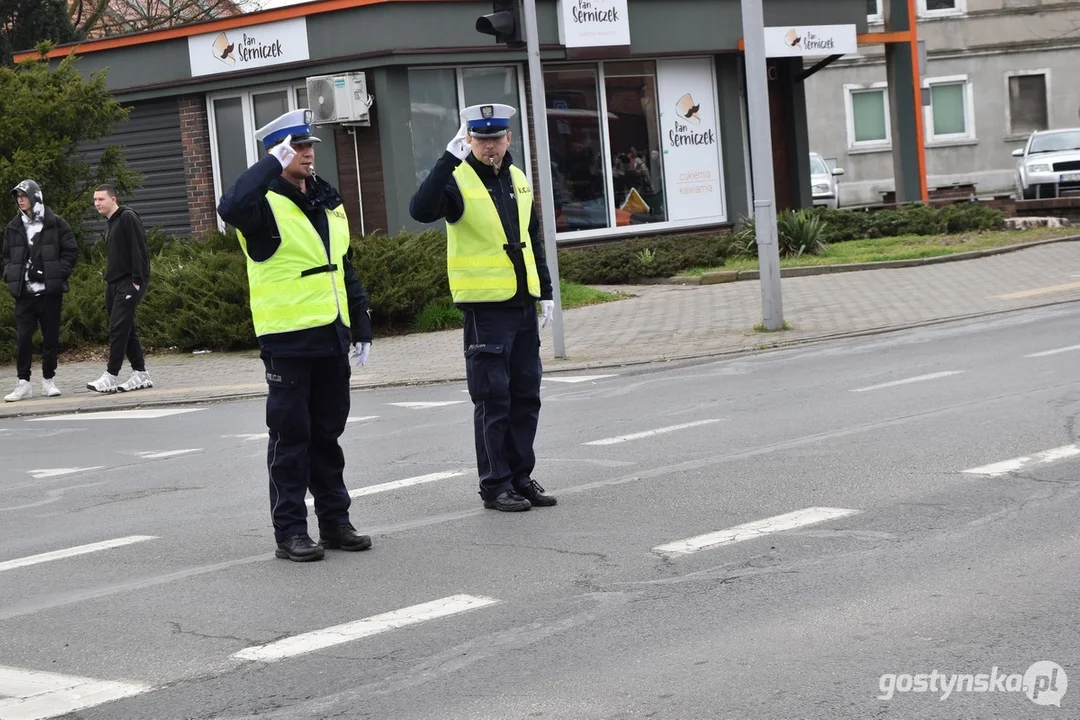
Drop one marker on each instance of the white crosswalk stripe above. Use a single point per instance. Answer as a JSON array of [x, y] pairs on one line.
[[36, 695]]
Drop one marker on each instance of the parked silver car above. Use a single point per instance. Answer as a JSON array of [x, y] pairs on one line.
[[823, 183], [1049, 165]]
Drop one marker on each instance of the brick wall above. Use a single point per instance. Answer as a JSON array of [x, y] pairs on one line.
[[198, 172], [369, 149]]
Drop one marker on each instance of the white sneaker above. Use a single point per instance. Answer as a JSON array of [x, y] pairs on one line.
[[137, 381], [48, 388], [21, 392], [105, 384]]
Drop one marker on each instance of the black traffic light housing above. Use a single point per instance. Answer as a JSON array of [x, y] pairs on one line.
[[505, 23]]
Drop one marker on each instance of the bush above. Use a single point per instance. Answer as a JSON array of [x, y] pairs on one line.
[[631, 260], [402, 274], [914, 219], [797, 233]]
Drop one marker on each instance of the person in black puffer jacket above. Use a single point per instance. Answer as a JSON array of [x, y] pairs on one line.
[[39, 254]]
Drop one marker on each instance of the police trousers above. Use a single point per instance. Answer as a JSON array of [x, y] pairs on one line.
[[307, 407], [502, 364]]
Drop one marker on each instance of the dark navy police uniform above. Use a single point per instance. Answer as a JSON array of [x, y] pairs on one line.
[[307, 371], [501, 339]]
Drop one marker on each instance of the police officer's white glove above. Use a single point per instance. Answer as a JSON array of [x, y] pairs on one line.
[[458, 147], [284, 152], [548, 306], [359, 353]]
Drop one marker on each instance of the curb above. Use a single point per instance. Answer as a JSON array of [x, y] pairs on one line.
[[719, 353], [726, 276]]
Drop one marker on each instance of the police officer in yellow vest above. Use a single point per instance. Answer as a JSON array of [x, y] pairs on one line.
[[497, 270], [310, 315]]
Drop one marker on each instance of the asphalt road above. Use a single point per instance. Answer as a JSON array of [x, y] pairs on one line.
[[864, 555]]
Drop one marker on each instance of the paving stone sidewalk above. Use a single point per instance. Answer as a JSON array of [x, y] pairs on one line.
[[659, 323]]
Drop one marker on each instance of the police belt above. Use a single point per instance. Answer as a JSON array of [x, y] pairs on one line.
[[511, 247]]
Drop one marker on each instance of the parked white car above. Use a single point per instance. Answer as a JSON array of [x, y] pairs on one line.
[[1049, 165], [823, 183]]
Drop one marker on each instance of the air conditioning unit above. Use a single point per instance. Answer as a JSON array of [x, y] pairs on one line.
[[339, 99]]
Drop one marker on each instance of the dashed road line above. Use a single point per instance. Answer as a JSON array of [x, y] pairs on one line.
[[396, 484], [1044, 353], [148, 414], [649, 433], [347, 632], [1007, 466], [167, 453], [577, 379], [750, 530], [425, 405], [905, 381], [73, 551], [56, 472]]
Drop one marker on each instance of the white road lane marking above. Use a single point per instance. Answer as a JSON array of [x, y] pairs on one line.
[[750, 530], [167, 453], [394, 485], [905, 381], [36, 695], [55, 472], [148, 414], [650, 433], [361, 418], [249, 436], [1008, 466], [578, 379], [347, 632], [1044, 353], [425, 405], [73, 551]]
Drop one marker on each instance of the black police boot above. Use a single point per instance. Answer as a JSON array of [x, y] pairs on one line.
[[535, 495], [299, 548], [509, 501], [343, 537]]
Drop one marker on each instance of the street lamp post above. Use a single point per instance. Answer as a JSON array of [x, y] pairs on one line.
[[761, 154]]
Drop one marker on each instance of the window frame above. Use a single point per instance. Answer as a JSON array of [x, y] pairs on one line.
[[969, 137], [877, 18], [609, 181], [867, 146], [959, 9], [251, 147], [1047, 97]]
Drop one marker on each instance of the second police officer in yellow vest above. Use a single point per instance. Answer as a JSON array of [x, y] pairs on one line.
[[497, 271], [310, 315]]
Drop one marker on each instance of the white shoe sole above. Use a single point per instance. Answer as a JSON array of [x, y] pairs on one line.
[[144, 386]]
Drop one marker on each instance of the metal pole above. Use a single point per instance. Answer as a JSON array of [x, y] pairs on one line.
[[761, 157], [543, 162]]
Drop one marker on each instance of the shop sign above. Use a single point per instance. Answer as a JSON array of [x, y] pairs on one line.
[[689, 127], [245, 48], [593, 23], [811, 41]]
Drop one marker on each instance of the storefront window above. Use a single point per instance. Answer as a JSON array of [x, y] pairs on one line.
[[577, 148], [634, 140], [434, 113], [231, 143], [268, 106]]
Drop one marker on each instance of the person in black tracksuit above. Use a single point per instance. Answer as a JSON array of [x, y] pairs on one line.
[[127, 278], [39, 252], [505, 388], [308, 400]]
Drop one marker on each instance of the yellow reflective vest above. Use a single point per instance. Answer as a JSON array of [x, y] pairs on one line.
[[299, 286], [478, 265]]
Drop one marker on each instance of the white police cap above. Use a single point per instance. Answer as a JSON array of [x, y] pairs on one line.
[[296, 123], [488, 121]]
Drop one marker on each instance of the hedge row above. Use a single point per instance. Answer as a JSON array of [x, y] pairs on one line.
[[199, 295]]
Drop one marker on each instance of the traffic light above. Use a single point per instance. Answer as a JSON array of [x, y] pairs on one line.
[[505, 23]]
